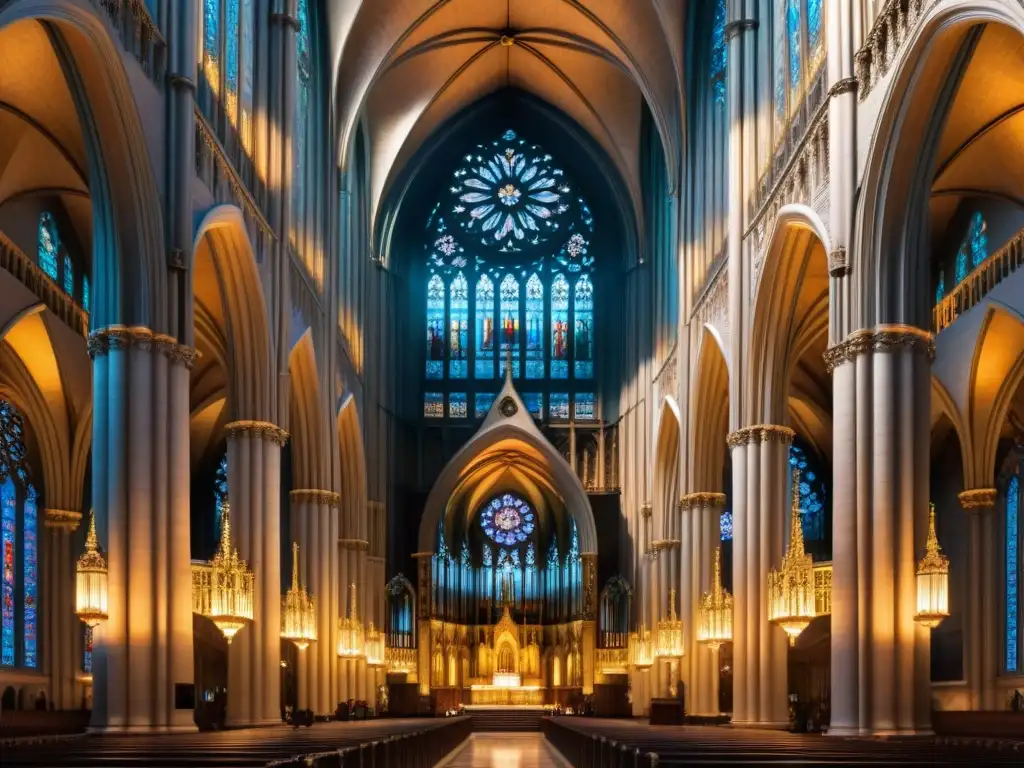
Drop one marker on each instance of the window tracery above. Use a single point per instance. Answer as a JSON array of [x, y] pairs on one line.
[[49, 245], [507, 520], [1012, 573], [719, 52], [813, 509]]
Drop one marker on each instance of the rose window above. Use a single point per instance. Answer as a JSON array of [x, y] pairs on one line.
[[507, 519]]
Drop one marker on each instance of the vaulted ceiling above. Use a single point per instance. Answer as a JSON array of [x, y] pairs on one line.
[[404, 67]]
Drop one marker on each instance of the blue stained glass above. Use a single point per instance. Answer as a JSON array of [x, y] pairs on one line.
[[49, 245], [560, 328], [961, 264], [780, 63], [534, 402], [220, 491], [484, 366], [534, 328], [585, 406], [940, 289], [553, 555], [30, 556], [231, 32], [248, 50], [86, 299], [211, 43], [509, 294], [483, 403], [558, 406], [812, 495], [459, 328], [1012, 570], [508, 520], [433, 405], [814, 37], [435, 328], [69, 276], [457, 408], [304, 68], [8, 537], [977, 239], [87, 651], [725, 525], [584, 339], [793, 37], [719, 51]]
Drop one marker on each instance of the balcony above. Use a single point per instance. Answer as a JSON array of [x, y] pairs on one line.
[[138, 33], [29, 274], [979, 283]]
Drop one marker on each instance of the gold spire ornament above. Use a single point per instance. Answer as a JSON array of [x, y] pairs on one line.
[[374, 647], [670, 631], [298, 613], [715, 610], [791, 590], [641, 647], [233, 584], [932, 580], [91, 581], [350, 634]]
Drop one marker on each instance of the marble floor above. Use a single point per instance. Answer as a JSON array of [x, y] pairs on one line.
[[506, 750]]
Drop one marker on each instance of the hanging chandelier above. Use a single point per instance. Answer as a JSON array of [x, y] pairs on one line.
[[791, 590], [298, 614], [374, 647], [716, 610], [91, 581], [670, 631], [932, 580], [641, 647], [233, 584], [350, 634]]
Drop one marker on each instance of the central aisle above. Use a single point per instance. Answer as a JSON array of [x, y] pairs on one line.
[[500, 750]]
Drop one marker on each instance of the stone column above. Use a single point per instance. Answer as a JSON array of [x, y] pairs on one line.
[[314, 521], [143, 653], [254, 656], [589, 649], [981, 653], [760, 478], [62, 627], [423, 638], [880, 656]]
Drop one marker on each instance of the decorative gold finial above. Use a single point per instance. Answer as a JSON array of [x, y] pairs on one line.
[[932, 580]]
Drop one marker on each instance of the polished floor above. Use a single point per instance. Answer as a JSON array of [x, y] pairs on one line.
[[505, 750]]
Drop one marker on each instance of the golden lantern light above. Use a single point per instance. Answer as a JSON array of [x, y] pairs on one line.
[[932, 580], [233, 584], [374, 647], [715, 610], [350, 634], [670, 631], [91, 581], [791, 590], [298, 613], [641, 648]]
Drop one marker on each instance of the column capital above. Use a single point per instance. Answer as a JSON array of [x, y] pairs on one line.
[[882, 338], [978, 499], [646, 510], [315, 496], [103, 340], [261, 430], [760, 433], [739, 26], [703, 499], [359, 545], [63, 519]]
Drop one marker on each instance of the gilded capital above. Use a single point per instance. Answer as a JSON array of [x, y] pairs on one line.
[[702, 499], [884, 338], [315, 496], [978, 499], [65, 519], [761, 433], [359, 545], [261, 430], [101, 342]]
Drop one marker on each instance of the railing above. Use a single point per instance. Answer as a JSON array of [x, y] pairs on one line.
[[31, 275], [973, 288], [139, 35], [822, 589], [887, 35]]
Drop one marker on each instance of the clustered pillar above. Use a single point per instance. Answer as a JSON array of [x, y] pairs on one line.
[[981, 650], [760, 456], [882, 411], [59, 619], [700, 522], [355, 676], [142, 661], [254, 656]]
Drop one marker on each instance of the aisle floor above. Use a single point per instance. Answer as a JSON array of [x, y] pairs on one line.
[[506, 750]]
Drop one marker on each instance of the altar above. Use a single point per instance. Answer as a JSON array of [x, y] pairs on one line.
[[500, 695]]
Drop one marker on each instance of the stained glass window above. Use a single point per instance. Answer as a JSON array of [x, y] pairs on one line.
[[457, 408], [940, 289], [8, 529], [49, 245], [435, 328], [780, 63], [459, 325], [508, 519], [534, 402], [584, 338], [248, 48], [534, 328], [483, 403], [558, 406], [977, 239], [585, 406], [961, 264], [85, 293], [510, 323], [87, 651], [69, 276], [211, 43], [719, 52], [815, 39], [30, 560], [560, 328], [725, 525], [793, 39], [231, 59], [433, 405], [812, 500], [304, 69], [1012, 570], [484, 368], [220, 491]]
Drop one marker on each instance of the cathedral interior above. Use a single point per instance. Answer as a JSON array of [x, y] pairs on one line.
[[657, 360]]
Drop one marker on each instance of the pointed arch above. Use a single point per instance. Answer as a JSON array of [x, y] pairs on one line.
[[709, 415], [306, 418], [353, 459], [666, 467]]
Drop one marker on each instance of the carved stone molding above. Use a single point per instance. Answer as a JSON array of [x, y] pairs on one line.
[[838, 263], [738, 27], [845, 85], [978, 499], [66, 519], [884, 338], [101, 342], [359, 545], [761, 433], [702, 499], [589, 561], [315, 496], [262, 430]]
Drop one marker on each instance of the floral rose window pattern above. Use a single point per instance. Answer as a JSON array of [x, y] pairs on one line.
[[507, 519]]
